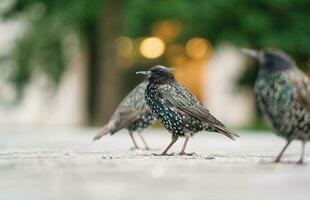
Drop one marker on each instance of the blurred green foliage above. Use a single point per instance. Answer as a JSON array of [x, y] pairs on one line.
[[281, 24], [31, 52], [41, 47]]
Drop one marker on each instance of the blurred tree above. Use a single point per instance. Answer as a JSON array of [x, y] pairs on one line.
[[281, 24], [41, 47], [110, 74]]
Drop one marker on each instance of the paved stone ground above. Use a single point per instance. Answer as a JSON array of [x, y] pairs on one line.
[[64, 163]]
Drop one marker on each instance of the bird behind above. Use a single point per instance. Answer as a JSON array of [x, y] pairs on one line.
[[132, 114], [282, 92]]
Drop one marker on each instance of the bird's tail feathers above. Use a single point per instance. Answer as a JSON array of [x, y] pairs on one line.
[[227, 133], [104, 131]]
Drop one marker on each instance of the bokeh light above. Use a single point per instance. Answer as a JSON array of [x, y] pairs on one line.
[[167, 30], [124, 46], [152, 47], [197, 48]]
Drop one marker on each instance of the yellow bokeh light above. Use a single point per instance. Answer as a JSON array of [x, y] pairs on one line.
[[152, 47], [167, 30], [197, 48], [124, 46]]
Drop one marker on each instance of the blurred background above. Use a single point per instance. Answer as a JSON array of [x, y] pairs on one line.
[[70, 63]]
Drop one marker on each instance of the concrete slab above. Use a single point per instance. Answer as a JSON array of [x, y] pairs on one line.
[[64, 163]]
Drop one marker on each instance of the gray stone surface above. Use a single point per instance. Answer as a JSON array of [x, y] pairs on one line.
[[63, 163]]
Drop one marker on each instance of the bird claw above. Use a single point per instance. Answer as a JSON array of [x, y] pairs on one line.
[[163, 154], [147, 149], [187, 154], [300, 162], [135, 148]]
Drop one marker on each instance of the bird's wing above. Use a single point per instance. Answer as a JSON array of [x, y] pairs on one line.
[[302, 86], [181, 98], [130, 108], [123, 119], [126, 117], [127, 112]]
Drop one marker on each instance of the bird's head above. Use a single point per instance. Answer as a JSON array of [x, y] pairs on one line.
[[158, 74], [271, 59]]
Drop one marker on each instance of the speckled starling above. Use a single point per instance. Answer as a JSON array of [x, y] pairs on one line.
[[177, 109], [132, 114], [283, 95]]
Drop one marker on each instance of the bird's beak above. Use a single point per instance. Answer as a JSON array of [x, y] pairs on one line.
[[251, 53], [143, 72]]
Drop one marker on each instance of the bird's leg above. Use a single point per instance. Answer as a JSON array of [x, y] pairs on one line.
[[146, 147], [182, 152], [133, 140], [281, 153], [174, 139], [301, 160]]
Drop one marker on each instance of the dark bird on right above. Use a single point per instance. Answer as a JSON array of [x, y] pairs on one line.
[[282, 92]]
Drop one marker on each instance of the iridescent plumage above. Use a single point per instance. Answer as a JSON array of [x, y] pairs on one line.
[[283, 94], [177, 109]]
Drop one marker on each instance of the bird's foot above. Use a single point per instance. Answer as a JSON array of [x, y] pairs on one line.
[[147, 149], [187, 154], [276, 160], [135, 148], [163, 154], [300, 162]]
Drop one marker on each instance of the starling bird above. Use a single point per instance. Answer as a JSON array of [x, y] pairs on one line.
[[283, 94], [177, 109], [132, 114]]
